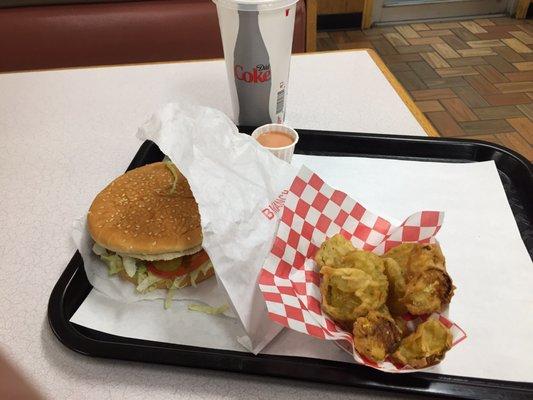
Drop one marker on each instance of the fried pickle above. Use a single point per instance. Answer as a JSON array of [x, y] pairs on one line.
[[348, 293], [424, 257], [401, 253], [376, 335], [397, 285], [428, 292], [426, 346], [333, 250], [428, 287]]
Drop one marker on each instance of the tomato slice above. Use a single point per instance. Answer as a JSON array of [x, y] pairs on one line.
[[189, 264]]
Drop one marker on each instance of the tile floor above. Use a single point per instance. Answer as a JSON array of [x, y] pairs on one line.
[[471, 78]]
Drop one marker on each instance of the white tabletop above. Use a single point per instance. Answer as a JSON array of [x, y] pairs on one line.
[[64, 133]]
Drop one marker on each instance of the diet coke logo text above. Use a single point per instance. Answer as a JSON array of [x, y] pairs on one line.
[[259, 74]]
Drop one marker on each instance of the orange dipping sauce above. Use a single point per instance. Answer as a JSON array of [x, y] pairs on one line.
[[274, 139]]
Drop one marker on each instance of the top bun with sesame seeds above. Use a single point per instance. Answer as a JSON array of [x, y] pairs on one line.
[[148, 213]]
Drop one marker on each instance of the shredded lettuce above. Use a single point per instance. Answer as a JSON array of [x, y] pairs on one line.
[[177, 284], [129, 266], [203, 268], [168, 299], [208, 309], [99, 250], [114, 263], [148, 283], [141, 274]]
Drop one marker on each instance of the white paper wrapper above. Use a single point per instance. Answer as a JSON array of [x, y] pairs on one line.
[[118, 289], [239, 187], [474, 200]]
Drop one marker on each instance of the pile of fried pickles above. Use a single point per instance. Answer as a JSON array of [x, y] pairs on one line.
[[368, 295]]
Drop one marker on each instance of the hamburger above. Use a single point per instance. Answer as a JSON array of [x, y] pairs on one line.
[[146, 228]]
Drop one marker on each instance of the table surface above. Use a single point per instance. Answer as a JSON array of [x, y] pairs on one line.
[[65, 133]]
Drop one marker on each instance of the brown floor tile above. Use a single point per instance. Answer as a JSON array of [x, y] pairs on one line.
[[519, 76], [503, 21], [522, 36], [481, 85], [526, 28], [340, 37], [464, 34], [420, 27], [396, 67], [413, 49], [463, 62], [509, 54], [524, 66], [440, 83], [517, 143], [514, 87], [433, 94], [491, 74], [500, 64], [459, 110], [483, 44], [355, 45], [435, 60], [506, 28], [528, 57], [486, 138], [423, 70], [383, 47], [527, 109], [444, 25], [500, 112], [524, 126], [407, 32], [455, 42], [494, 35], [396, 39], [427, 40], [470, 96], [379, 31], [394, 58], [473, 27], [517, 46], [507, 99], [486, 127], [457, 71], [444, 123], [429, 105], [442, 32], [410, 80], [476, 52], [484, 22], [356, 35], [325, 44], [445, 50]]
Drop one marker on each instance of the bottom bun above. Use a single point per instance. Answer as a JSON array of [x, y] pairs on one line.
[[163, 284]]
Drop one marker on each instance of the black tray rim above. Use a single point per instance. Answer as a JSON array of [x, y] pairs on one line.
[[447, 386]]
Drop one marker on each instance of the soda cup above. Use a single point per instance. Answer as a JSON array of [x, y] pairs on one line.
[[257, 40]]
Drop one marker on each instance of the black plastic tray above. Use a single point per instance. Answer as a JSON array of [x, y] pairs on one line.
[[517, 178]]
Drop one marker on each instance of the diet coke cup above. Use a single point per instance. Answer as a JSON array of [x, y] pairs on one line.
[[257, 40]]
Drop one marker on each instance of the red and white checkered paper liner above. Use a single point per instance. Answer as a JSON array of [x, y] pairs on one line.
[[289, 279]]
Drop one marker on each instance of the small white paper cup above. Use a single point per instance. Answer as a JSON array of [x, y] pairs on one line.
[[285, 153]]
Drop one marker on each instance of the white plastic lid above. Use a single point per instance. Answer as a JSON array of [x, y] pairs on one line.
[[254, 5]]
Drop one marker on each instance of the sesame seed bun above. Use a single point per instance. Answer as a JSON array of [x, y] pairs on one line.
[[147, 212]]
